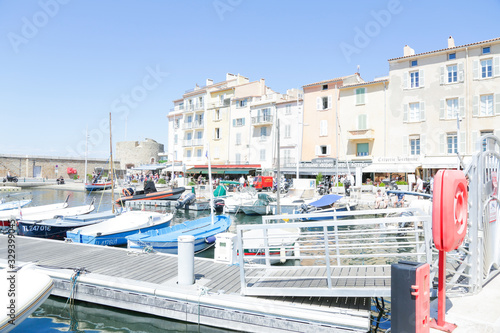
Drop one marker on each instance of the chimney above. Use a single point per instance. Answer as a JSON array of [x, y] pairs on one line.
[[262, 86], [209, 82], [408, 51], [451, 42]]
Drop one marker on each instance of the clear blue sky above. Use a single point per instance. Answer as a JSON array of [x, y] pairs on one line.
[[65, 64]]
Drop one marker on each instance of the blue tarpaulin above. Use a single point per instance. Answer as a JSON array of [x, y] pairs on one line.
[[326, 200]]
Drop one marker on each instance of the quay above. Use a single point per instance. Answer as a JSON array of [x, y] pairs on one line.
[[147, 283]]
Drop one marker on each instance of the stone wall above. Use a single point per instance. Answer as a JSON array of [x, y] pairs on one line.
[[46, 166], [135, 153]]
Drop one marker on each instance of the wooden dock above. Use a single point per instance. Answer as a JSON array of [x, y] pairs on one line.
[[148, 283]]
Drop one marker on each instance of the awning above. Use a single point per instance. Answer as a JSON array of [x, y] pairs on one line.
[[442, 162], [224, 169], [392, 167], [150, 167]]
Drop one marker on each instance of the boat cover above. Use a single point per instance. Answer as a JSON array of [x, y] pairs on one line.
[[326, 200]]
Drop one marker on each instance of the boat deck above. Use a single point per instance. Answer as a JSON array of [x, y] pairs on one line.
[[147, 283]]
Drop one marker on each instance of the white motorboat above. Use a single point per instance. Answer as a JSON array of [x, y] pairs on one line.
[[22, 293], [281, 243]]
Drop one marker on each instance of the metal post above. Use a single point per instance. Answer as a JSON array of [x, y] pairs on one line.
[[278, 181], [185, 260]]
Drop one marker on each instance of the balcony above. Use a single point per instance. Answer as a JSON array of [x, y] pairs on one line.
[[367, 134], [220, 104], [199, 107], [188, 125], [198, 142], [198, 124], [187, 143], [177, 108], [262, 120]]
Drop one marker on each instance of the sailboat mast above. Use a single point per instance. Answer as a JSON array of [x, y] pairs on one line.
[[86, 154], [111, 167]]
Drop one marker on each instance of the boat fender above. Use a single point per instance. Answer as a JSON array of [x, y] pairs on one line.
[[128, 191], [210, 240]]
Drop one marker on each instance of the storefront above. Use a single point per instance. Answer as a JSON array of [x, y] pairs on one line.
[[324, 166], [397, 167]]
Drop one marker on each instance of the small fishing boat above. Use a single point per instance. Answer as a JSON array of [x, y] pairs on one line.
[[281, 243], [8, 205], [33, 288], [329, 203], [30, 212], [259, 206], [150, 193], [99, 185], [165, 240], [114, 230], [56, 228]]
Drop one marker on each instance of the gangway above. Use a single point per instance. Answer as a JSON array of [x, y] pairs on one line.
[[346, 254]]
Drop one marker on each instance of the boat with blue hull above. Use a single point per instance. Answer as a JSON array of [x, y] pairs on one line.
[[8, 205], [115, 230], [329, 203], [56, 228], [165, 240]]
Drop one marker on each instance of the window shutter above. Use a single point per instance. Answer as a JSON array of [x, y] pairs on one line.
[[329, 102], [421, 78], [317, 150], [497, 104], [422, 111], [441, 77], [461, 72], [405, 80], [328, 149], [243, 121], [422, 144], [318, 103], [405, 145], [405, 113], [475, 69], [497, 133], [461, 107], [441, 143], [462, 142], [474, 136], [234, 122], [475, 105], [442, 108], [496, 66]]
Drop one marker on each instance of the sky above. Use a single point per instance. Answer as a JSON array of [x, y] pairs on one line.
[[65, 65]]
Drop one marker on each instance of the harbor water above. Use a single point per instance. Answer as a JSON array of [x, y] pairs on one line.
[[56, 314]]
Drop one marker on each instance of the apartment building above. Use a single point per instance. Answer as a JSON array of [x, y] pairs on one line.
[[320, 117], [442, 101]]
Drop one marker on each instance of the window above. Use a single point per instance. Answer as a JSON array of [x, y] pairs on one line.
[[238, 139], [486, 68], [362, 149], [323, 150], [413, 63], [288, 131], [325, 87], [238, 158], [452, 74], [263, 133], [486, 50], [217, 133], [217, 114], [360, 96], [451, 142], [323, 128], [175, 139], [266, 115], [241, 103], [415, 146], [485, 141], [239, 122], [198, 153], [188, 153], [177, 123], [451, 108], [414, 80], [486, 107], [414, 111], [262, 155], [323, 103], [288, 109], [452, 56], [362, 122]]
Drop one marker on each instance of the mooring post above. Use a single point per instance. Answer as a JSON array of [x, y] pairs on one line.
[[185, 260]]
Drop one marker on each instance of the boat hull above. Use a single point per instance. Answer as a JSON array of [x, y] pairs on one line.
[[173, 194], [97, 186]]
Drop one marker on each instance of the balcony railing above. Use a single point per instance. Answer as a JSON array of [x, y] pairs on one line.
[[198, 124], [198, 142], [188, 125], [177, 108], [220, 104], [262, 120], [367, 134], [187, 143]]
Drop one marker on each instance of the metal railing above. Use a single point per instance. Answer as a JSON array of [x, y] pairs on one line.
[[265, 119], [477, 260], [347, 255]]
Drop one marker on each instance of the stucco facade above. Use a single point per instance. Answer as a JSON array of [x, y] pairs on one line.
[[430, 90]]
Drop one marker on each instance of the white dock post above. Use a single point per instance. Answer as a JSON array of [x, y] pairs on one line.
[[185, 260]]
